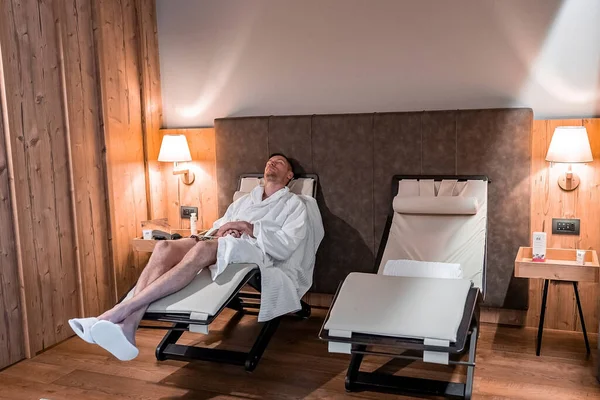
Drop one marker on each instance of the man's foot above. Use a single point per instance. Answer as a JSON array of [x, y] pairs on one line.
[[116, 314], [129, 331]]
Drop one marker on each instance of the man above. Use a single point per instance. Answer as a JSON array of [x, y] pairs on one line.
[[262, 227]]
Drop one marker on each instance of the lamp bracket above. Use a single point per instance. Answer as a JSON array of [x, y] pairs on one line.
[[187, 176], [568, 184]]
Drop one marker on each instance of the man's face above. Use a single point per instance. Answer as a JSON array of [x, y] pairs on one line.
[[278, 170]]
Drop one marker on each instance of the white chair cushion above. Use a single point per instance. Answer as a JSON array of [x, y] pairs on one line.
[[445, 205], [300, 186], [202, 295], [422, 269], [400, 306]]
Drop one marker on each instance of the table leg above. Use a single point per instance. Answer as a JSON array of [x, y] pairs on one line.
[[542, 315], [587, 343]]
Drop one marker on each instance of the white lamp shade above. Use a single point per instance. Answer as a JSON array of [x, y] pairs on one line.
[[174, 148], [570, 144]]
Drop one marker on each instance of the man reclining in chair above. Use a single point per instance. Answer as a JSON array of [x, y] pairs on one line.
[[267, 224]]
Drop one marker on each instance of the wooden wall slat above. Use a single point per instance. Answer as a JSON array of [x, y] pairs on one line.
[[37, 135], [539, 207], [87, 159], [589, 209], [549, 201], [129, 92], [62, 267], [17, 125], [151, 106], [121, 105], [11, 321]]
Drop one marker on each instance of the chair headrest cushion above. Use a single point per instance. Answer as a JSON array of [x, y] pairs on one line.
[[442, 205], [300, 186]]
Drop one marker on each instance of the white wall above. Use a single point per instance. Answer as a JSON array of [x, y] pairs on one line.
[[223, 58]]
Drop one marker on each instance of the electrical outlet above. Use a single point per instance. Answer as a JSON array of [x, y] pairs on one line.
[[186, 211], [561, 226]]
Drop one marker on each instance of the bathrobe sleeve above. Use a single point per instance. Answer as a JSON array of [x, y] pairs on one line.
[[225, 218], [280, 242]]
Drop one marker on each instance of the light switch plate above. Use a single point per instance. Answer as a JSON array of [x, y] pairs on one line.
[[562, 226], [186, 211]]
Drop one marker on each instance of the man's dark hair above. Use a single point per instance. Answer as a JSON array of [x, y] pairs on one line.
[[286, 159]]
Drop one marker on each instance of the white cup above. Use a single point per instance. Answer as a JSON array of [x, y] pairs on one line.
[[147, 234]]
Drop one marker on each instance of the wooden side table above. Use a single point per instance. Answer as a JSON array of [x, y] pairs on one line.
[[147, 246], [560, 265]]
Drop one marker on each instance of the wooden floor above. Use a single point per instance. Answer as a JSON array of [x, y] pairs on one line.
[[296, 365]]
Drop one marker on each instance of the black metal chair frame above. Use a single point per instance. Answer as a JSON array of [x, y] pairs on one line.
[[239, 301]]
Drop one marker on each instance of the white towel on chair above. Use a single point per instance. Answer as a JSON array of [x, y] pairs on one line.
[[422, 269]]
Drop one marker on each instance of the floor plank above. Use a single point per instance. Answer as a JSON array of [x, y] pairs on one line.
[[297, 365]]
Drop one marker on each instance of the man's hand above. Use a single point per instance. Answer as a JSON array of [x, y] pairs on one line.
[[234, 233], [240, 226]]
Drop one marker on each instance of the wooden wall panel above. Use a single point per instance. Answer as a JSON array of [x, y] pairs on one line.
[[589, 293], [119, 72], [79, 79], [151, 106], [11, 321], [549, 201], [37, 135], [86, 140], [203, 192]]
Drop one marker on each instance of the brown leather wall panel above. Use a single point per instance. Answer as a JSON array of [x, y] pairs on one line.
[[343, 158], [438, 130], [242, 147], [356, 155], [497, 143], [292, 137], [397, 149]]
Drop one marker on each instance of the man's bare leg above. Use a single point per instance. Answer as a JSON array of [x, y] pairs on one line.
[[200, 256], [165, 256]]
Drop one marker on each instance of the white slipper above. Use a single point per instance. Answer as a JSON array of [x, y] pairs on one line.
[[111, 338], [82, 326]]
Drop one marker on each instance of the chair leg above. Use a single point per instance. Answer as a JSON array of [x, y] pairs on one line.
[[542, 315], [304, 313], [171, 337], [585, 337], [353, 368], [471, 369], [261, 343]]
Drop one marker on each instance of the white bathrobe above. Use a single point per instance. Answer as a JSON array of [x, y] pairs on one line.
[[287, 232]]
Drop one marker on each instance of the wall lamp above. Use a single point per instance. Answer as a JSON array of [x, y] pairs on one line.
[[175, 149], [569, 144]]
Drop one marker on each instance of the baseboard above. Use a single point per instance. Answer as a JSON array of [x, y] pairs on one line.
[[319, 300], [503, 316]]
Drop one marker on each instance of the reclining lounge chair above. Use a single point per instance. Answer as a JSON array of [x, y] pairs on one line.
[[428, 304], [196, 306]]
